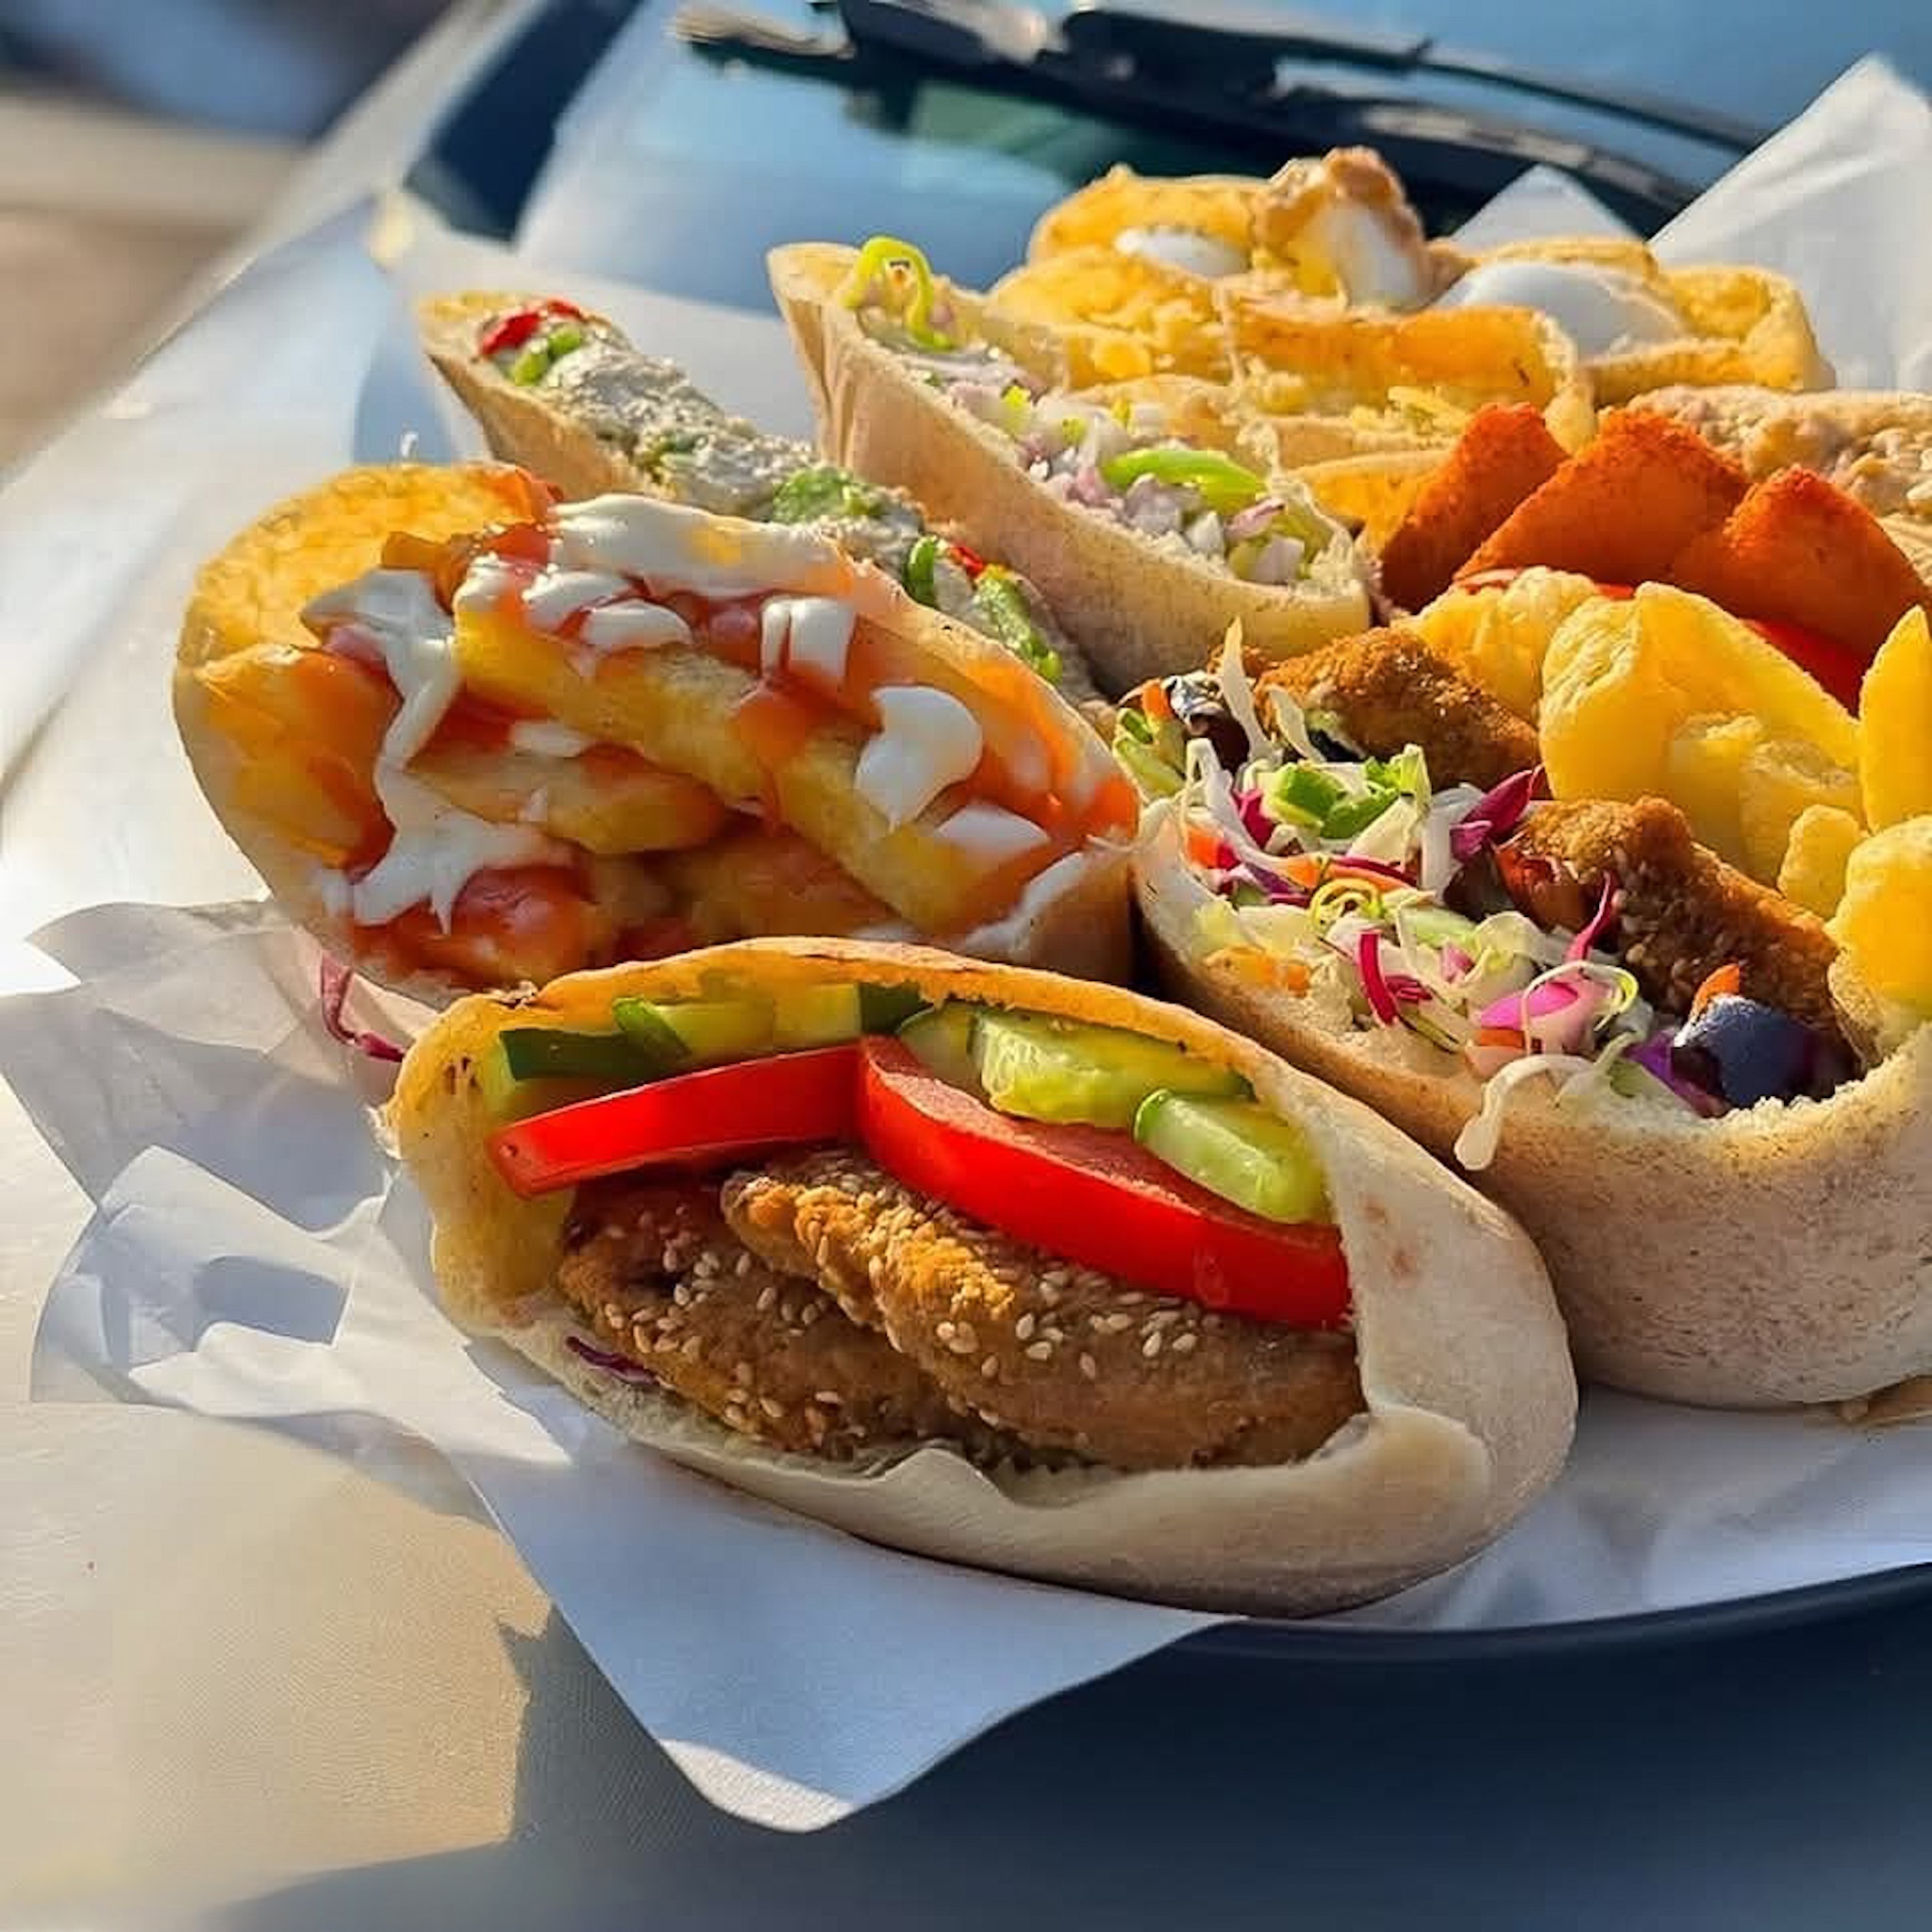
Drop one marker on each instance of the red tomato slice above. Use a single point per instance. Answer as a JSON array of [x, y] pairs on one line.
[[1092, 1196], [1839, 669], [719, 1113]]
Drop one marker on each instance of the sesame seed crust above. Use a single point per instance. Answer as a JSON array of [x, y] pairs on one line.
[[679, 1296], [1067, 1358], [1681, 912]]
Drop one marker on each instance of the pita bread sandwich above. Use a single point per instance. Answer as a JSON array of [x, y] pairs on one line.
[[1142, 538], [994, 1266], [565, 393], [472, 738], [1711, 1107]]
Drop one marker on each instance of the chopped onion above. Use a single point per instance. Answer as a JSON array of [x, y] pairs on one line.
[[607, 1358], [1255, 821], [1580, 945], [1542, 999], [1368, 959], [1654, 1057], [1254, 519], [335, 980], [1495, 814]]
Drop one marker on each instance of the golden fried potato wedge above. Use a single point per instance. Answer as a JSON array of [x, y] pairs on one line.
[[607, 799]]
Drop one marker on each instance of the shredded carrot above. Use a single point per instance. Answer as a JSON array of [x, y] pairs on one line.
[[1260, 967], [1203, 847], [1151, 697], [1726, 980], [1498, 1036]]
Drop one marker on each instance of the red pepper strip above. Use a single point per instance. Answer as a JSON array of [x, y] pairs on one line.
[[1093, 1197], [1840, 671], [968, 560], [716, 1114], [513, 331]]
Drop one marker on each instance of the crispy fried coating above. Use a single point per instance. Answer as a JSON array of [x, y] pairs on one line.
[[652, 1266], [1503, 456], [1389, 689], [1800, 551], [768, 880], [1623, 508], [1059, 1354], [1681, 911]]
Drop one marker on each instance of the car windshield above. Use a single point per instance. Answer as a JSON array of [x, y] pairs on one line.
[[742, 118]]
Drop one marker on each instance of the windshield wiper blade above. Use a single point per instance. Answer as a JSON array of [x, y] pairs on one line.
[[1015, 51], [1231, 48]]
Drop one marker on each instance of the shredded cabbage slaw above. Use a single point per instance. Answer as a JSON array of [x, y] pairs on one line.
[[1117, 459], [1339, 864]]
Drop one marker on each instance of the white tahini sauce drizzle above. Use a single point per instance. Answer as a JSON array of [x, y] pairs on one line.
[[631, 626], [671, 547], [396, 610], [989, 834], [926, 741], [809, 635], [437, 849], [436, 852], [555, 595]]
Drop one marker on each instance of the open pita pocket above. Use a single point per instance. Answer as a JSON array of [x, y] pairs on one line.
[[1640, 1053], [565, 393], [470, 737], [1466, 1397], [972, 429]]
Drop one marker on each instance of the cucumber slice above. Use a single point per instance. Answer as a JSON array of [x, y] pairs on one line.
[[941, 1037], [510, 1098], [1061, 1069], [806, 1016], [535, 1053], [886, 1009], [708, 1031], [1436, 925], [1237, 1150]]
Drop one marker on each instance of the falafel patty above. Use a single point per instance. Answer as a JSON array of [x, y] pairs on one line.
[[1061, 1355], [1389, 689], [1681, 911], [649, 1262], [820, 1308]]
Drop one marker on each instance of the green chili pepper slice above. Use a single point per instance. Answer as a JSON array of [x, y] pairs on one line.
[[879, 257], [1222, 484]]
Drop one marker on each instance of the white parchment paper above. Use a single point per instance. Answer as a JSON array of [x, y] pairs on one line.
[[252, 1256]]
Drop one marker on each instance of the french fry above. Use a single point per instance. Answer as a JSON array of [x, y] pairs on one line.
[[1895, 726], [1780, 781], [1820, 848]]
